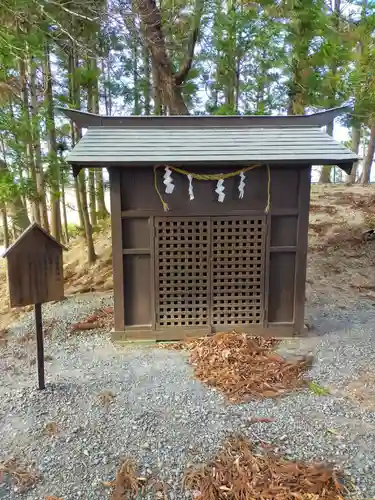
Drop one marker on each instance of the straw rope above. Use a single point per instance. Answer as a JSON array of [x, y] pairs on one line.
[[212, 177]]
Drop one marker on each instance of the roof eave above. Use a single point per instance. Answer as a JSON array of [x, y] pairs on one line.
[[320, 119], [345, 165]]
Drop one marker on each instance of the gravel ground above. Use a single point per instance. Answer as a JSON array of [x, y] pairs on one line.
[[164, 418]]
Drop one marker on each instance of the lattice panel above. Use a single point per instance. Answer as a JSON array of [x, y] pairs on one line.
[[182, 272], [236, 271]]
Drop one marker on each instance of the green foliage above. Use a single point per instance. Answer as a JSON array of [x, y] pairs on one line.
[[262, 57], [74, 230], [317, 389]]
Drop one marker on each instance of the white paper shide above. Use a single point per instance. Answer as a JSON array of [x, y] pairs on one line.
[[220, 190], [168, 181], [241, 186], [191, 192]]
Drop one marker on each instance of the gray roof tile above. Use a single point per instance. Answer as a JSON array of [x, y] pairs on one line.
[[105, 146]]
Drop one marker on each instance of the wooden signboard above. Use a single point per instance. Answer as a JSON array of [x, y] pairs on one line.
[[35, 276]]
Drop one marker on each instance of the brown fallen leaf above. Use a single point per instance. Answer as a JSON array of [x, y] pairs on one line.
[[264, 420], [108, 484], [51, 428], [85, 326]]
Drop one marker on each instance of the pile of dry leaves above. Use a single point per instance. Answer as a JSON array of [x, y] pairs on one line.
[[21, 476], [244, 367], [128, 484], [239, 473], [103, 318]]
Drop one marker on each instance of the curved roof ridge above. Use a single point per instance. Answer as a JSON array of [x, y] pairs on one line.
[[84, 119]]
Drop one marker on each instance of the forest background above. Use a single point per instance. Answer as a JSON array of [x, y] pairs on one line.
[[142, 57]]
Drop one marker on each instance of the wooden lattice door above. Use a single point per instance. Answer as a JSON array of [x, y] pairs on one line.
[[182, 272], [237, 264], [209, 271]]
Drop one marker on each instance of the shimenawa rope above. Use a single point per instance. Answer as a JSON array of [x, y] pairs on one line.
[[212, 177]]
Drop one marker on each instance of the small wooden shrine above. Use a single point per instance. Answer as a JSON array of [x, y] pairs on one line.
[[209, 218]]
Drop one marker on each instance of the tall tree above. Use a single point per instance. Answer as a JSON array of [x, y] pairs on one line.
[[170, 82]]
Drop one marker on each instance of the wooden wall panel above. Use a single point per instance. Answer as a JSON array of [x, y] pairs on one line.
[[135, 233], [281, 287], [284, 230], [137, 290], [284, 188], [302, 247], [138, 191], [115, 179]]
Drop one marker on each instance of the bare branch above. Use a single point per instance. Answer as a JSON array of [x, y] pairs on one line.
[[71, 12], [180, 77], [54, 21]]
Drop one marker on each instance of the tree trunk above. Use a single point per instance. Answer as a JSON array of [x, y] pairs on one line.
[[296, 96], [63, 205], [356, 140], [80, 180], [231, 58], [102, 209], [92, 107], [35, 127], [109, 92], [15, 208], [74, 96], [2, 204], [325, 173], [170, 82], [14, 231], [35, 212], [325, 176], [147, 76], [79, 204], [91, 256], [4, 219], [367, 164], [300, 39], [91, 175], [18, 213], [54, 168], [356, 128], [136, 95], [92, 197], [158, 105]]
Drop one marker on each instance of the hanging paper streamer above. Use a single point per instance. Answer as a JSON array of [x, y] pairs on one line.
[[168, 181], [220, 190], [191, 192], [241, 186]]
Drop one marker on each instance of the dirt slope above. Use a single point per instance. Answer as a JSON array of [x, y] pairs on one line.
[[340, 264]]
